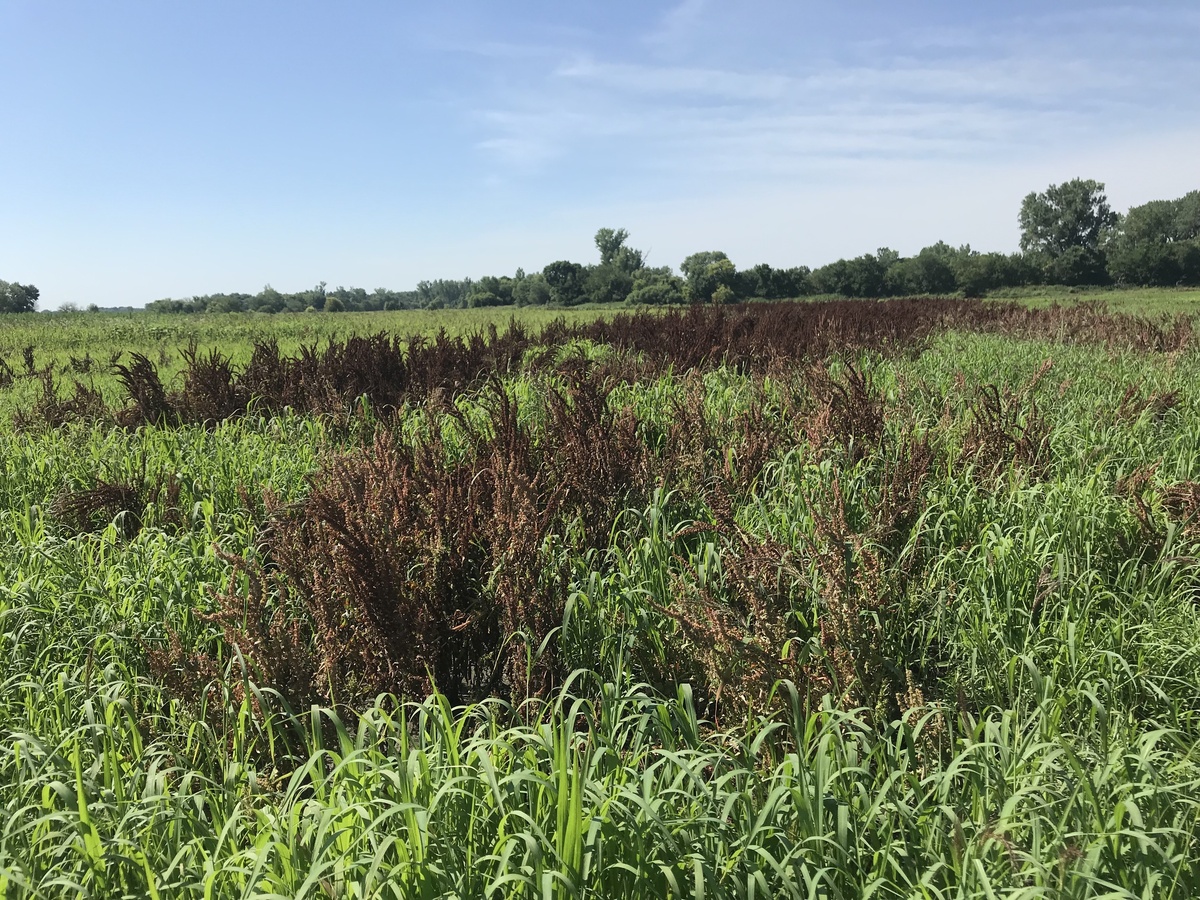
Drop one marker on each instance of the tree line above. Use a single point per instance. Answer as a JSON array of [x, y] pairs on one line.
[[1070, 235]]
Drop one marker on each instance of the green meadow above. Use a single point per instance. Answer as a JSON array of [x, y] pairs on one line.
[[802, 600]]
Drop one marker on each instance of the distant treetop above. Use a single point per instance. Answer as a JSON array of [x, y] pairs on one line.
[[17, 298]]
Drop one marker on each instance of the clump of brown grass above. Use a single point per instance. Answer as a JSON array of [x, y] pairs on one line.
[[1134, 404], [845, 410], [405, 569], [86, 404], [7, 375], [1008, 428], [93, 509], [150, 404], [738, 634], [743, 635], [131, 504], [1182, 503]]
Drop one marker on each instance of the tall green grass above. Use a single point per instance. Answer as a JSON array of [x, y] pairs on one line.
[[1055, 751]]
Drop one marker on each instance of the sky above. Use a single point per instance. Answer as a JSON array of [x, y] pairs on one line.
[[154, 150]]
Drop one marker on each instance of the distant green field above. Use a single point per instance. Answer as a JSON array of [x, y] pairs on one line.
[[1149, 301], [63, 340], [101, 334]]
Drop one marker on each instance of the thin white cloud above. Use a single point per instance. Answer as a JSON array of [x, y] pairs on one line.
[[1022, 79], [986, 94], [503, 51], [642, 79], [778, 125], [677, 27]]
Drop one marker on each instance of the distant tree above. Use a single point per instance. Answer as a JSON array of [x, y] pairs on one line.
[[480, 298], [615, 252], [1073, 214], [317, 296], [610, 241], [793, 282], [705, 272], [267, 300], [979, 273], [862, 276], [755, 281], [656, 287], [767, 283], [224, 303], [353, 299], [1077, 265], [334, 305], [504, 289], [17, 298], [1158, 243], [887, 257], [1187, 216], [443, 293], [724, 293], [612, 280], [608, 284], [531, 290], [491, 291], [567, 282], [697, 262], [929, 272], [1154, 263]]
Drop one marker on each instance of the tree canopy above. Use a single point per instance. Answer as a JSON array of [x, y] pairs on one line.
[[17, 298], [1072, 214]]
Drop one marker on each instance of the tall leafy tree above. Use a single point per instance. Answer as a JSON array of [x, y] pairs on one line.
[[1065, 228], [612, 280], [567, 281], [1072, 214], [16, 298], [610, 241]]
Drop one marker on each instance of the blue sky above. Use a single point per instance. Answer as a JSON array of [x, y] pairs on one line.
[[169, 149]]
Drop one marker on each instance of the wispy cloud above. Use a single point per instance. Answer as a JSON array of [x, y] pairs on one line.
[[676, 28], [635, 79], [944, 93]]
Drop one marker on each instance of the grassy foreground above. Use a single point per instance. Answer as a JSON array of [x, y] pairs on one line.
[[601, 613]]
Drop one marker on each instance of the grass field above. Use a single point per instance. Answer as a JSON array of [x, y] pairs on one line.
[[816, 600], [1147, 301], [101, 334]]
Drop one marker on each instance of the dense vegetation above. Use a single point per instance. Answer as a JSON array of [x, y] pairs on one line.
[[838, 599]]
